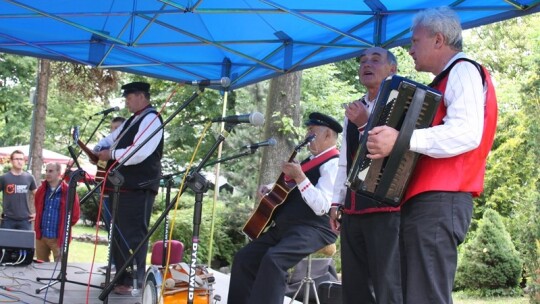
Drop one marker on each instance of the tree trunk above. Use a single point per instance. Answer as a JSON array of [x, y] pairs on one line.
[[38, 128], [283, 101]]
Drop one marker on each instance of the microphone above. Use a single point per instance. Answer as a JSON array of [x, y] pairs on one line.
[[224, 82], [270, 142], [255, 118], [75, 134], [109, 110]]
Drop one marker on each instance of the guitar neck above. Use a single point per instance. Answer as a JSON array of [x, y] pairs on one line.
[[87, 151]]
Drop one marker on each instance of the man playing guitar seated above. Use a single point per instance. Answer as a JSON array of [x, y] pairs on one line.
[[300, 226]]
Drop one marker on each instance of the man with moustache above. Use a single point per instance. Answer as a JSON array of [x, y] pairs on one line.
[[369, 231]]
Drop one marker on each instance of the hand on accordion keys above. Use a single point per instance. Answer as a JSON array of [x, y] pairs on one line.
[[380, 141]]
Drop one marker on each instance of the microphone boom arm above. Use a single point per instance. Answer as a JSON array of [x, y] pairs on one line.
[[214, 162]]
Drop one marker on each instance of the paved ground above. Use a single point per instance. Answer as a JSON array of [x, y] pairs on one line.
[[18, 284]]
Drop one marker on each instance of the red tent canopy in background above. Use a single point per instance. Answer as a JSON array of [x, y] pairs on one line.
[[48, 155]]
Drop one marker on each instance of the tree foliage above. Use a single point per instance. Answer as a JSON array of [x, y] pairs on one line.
[[17, 77], [511, 51]]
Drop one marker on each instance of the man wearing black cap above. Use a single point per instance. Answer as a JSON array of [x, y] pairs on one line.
[[300, 225], [135, 201], [370, 258]]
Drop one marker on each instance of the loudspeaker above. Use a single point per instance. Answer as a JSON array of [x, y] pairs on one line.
[[17, 246]]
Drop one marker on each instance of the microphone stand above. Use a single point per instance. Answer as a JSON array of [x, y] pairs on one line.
[[168, 177], [165, 244], [92, 191], [62, 278], [169, 181], [199, 185], [114, 175]]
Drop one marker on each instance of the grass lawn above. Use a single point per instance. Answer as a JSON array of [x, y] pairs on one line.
[[460, 298], [82, 252]]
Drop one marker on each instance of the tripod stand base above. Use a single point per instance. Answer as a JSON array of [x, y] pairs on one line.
[[59, 279], [308, 284]]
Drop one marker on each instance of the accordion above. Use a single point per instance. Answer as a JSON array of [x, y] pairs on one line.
[[405, 106]]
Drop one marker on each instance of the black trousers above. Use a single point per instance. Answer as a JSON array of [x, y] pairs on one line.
[[132, 219], [259, 270], [370, 259], [433, 224]]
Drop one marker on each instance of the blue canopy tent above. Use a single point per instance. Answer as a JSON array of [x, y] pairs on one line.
[[245, 40]]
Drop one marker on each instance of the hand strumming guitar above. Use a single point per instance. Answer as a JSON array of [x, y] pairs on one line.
[[104, 155], [263, 190], [294, 171]]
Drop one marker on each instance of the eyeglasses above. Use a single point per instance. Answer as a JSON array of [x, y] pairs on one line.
[[17, 159]]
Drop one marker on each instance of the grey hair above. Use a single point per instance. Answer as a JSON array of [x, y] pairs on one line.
[[391, 58], [442, 20]]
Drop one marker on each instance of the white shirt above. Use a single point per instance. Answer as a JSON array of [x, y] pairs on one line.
[[152, 122], [340, 189], [318, 197], [463, 124]]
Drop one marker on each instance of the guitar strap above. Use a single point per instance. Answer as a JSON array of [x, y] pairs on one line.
[[130, 124], [314, 162]]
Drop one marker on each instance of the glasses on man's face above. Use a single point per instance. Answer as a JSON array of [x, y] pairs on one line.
[[20, 159]]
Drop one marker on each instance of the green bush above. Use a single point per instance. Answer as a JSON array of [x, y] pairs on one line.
[[525, 230], [89, 208], [228, 222], [489, 263]]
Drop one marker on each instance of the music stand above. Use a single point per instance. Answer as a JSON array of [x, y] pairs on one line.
[[62, 278]]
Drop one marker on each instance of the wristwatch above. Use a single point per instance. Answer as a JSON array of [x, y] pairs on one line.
[[339, 213]]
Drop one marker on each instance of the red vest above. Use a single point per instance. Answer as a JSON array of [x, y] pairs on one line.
[[463, 172]]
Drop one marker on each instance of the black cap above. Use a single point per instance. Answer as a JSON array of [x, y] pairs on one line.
[[319, 119], [135, 87]]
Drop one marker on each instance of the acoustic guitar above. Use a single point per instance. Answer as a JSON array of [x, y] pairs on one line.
[[262, 215], [101, 165]]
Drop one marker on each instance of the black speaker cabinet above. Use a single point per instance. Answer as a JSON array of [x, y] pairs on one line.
[[16, 246]]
